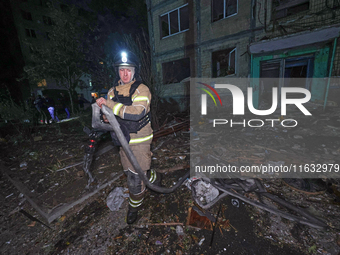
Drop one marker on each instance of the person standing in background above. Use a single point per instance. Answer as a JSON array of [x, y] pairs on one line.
[[64, 102], [51, 108]]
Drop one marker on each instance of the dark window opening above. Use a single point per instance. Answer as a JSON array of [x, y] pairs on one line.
[[222, 9], [176, 71], [269, 69], [165, 26], [224, 62], [295, 72], [284, 8], [174, 21], [184, 17], [47, 21], [26, 15], [30, 33]]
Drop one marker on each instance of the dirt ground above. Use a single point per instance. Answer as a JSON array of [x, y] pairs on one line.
[[49, 165]]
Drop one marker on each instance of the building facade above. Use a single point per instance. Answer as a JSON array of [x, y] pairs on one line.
[[245, 38], [33, 22]]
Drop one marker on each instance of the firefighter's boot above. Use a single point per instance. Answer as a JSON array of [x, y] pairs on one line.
[[154, 177], [135, 204]]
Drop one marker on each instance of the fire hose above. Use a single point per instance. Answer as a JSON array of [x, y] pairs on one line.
[[114, 126]]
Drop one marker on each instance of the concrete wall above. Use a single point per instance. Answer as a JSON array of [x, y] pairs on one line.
[[318, 16], [37, 12], [203, 38], [251, 24]]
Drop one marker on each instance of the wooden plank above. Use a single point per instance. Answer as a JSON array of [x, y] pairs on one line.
[[23, 189]]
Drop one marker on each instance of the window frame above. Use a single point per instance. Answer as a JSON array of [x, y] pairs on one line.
[[47, 20], [233, 49], [165, 77], [224, 11], [169, 27], [32, 33]]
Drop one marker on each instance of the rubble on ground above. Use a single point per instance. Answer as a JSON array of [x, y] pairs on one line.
[[48, 168]]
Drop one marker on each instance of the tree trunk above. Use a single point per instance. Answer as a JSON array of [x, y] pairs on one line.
[[69, 89]]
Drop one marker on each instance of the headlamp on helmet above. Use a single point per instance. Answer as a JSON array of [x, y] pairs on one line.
[[124, 57]]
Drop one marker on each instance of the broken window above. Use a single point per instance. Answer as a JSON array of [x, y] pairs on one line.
[[176, 71], [222, 9], [288, 69], [175, 21], [284, 8], [47, 21], [30, 33], [224, 62], [26, 15]]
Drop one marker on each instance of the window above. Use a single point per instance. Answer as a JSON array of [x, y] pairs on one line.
[[176, 71], [222, 9], [224, 62], [47, 21], [301, 67], [284, 8], [26, 15], [175, 21], [30, 33]]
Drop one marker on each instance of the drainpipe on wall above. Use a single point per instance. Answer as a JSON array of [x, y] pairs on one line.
[[198, 42], [330, 73], [251, 66]]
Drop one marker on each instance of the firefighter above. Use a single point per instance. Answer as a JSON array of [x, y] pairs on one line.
[[130, 101]]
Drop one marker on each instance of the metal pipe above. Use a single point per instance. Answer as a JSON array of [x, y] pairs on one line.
[[115, 125], [301, 220], [330, 73]]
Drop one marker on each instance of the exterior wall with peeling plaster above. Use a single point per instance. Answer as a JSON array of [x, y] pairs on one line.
[[254, 22]]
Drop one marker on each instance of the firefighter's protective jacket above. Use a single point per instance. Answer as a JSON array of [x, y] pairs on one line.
[[140, 106]]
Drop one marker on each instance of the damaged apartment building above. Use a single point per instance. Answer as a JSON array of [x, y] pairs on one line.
[[246, 38]]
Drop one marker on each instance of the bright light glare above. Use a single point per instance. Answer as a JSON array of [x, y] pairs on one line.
[[124, 54]]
